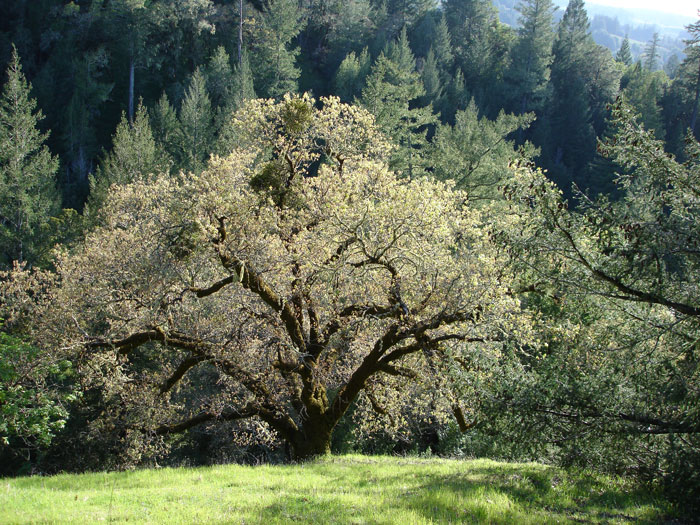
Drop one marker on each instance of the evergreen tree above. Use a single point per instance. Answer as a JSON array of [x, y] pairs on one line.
[[350, 77], [480, 45], [196, 125], [671, 66], [346, 78], [90, 91], [407, 12], [181, 31], [624, 54], [274, 57], [690, 77], [572, 137], [28, 197], [220, 79], [243, 88], [243, 91], [431, 79], [130, 23], [643, 91], [651, 53], [166, 128], [442, 46], [393, 87], [455, 98], [529, 72], [134, 156], [476, 152]]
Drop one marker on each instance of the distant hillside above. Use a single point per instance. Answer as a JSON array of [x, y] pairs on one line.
[[609, 25]]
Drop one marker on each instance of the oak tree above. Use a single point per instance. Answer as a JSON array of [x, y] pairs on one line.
[[281, 285]]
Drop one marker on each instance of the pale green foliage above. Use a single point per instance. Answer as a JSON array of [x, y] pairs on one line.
[[28, 196], [281, 290]]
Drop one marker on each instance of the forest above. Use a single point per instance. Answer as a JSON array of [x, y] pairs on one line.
[[244, 231]]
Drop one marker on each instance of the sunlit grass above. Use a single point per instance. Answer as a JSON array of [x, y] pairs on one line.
[[346, 489]]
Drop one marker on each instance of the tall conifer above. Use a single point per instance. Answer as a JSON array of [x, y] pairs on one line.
[[28, 196]]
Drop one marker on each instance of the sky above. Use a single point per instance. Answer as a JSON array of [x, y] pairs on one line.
[[680, 7]]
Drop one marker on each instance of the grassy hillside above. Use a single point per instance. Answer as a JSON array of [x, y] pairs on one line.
[[347, 489]]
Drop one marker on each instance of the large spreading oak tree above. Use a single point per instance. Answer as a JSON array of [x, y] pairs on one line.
[[282, 283]]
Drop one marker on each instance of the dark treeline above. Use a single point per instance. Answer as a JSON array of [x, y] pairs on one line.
[[91, 61]]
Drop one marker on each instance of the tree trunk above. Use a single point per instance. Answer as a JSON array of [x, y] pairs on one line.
[[694, 117], [312, 440], [240, 34], [131, 90]]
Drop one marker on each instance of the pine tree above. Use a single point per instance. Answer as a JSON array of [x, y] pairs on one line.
[[476, 152], [651, 53], [455, 98], [528, 75], [624, 54], [442, 46], [243, 88], [393, 87], [220, 79], [134, 156], [572, 138], [643, 91], [431, 79], [345, 80], [243, 91], [28, 196], [196, 125], [275, 58], [166, 128], [480, 46]]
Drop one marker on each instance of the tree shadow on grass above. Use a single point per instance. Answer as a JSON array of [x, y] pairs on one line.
[[533, 495], [479, 494]]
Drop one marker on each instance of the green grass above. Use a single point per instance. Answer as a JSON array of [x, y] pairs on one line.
[[345, 489]]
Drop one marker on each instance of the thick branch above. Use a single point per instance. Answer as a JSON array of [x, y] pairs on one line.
[[184, 367], [203, 417], [132, 342], [252, 280], [204, 292], [636, 295]]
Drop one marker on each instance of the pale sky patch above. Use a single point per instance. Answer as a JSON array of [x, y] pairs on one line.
[[680, 7]]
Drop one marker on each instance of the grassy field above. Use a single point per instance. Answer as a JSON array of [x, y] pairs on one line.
[[345, 489]]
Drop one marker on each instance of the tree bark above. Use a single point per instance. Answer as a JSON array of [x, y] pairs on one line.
[[312, 440], [131, 90]]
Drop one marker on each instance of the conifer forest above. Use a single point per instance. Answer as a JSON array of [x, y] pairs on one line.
[[264, 231]]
